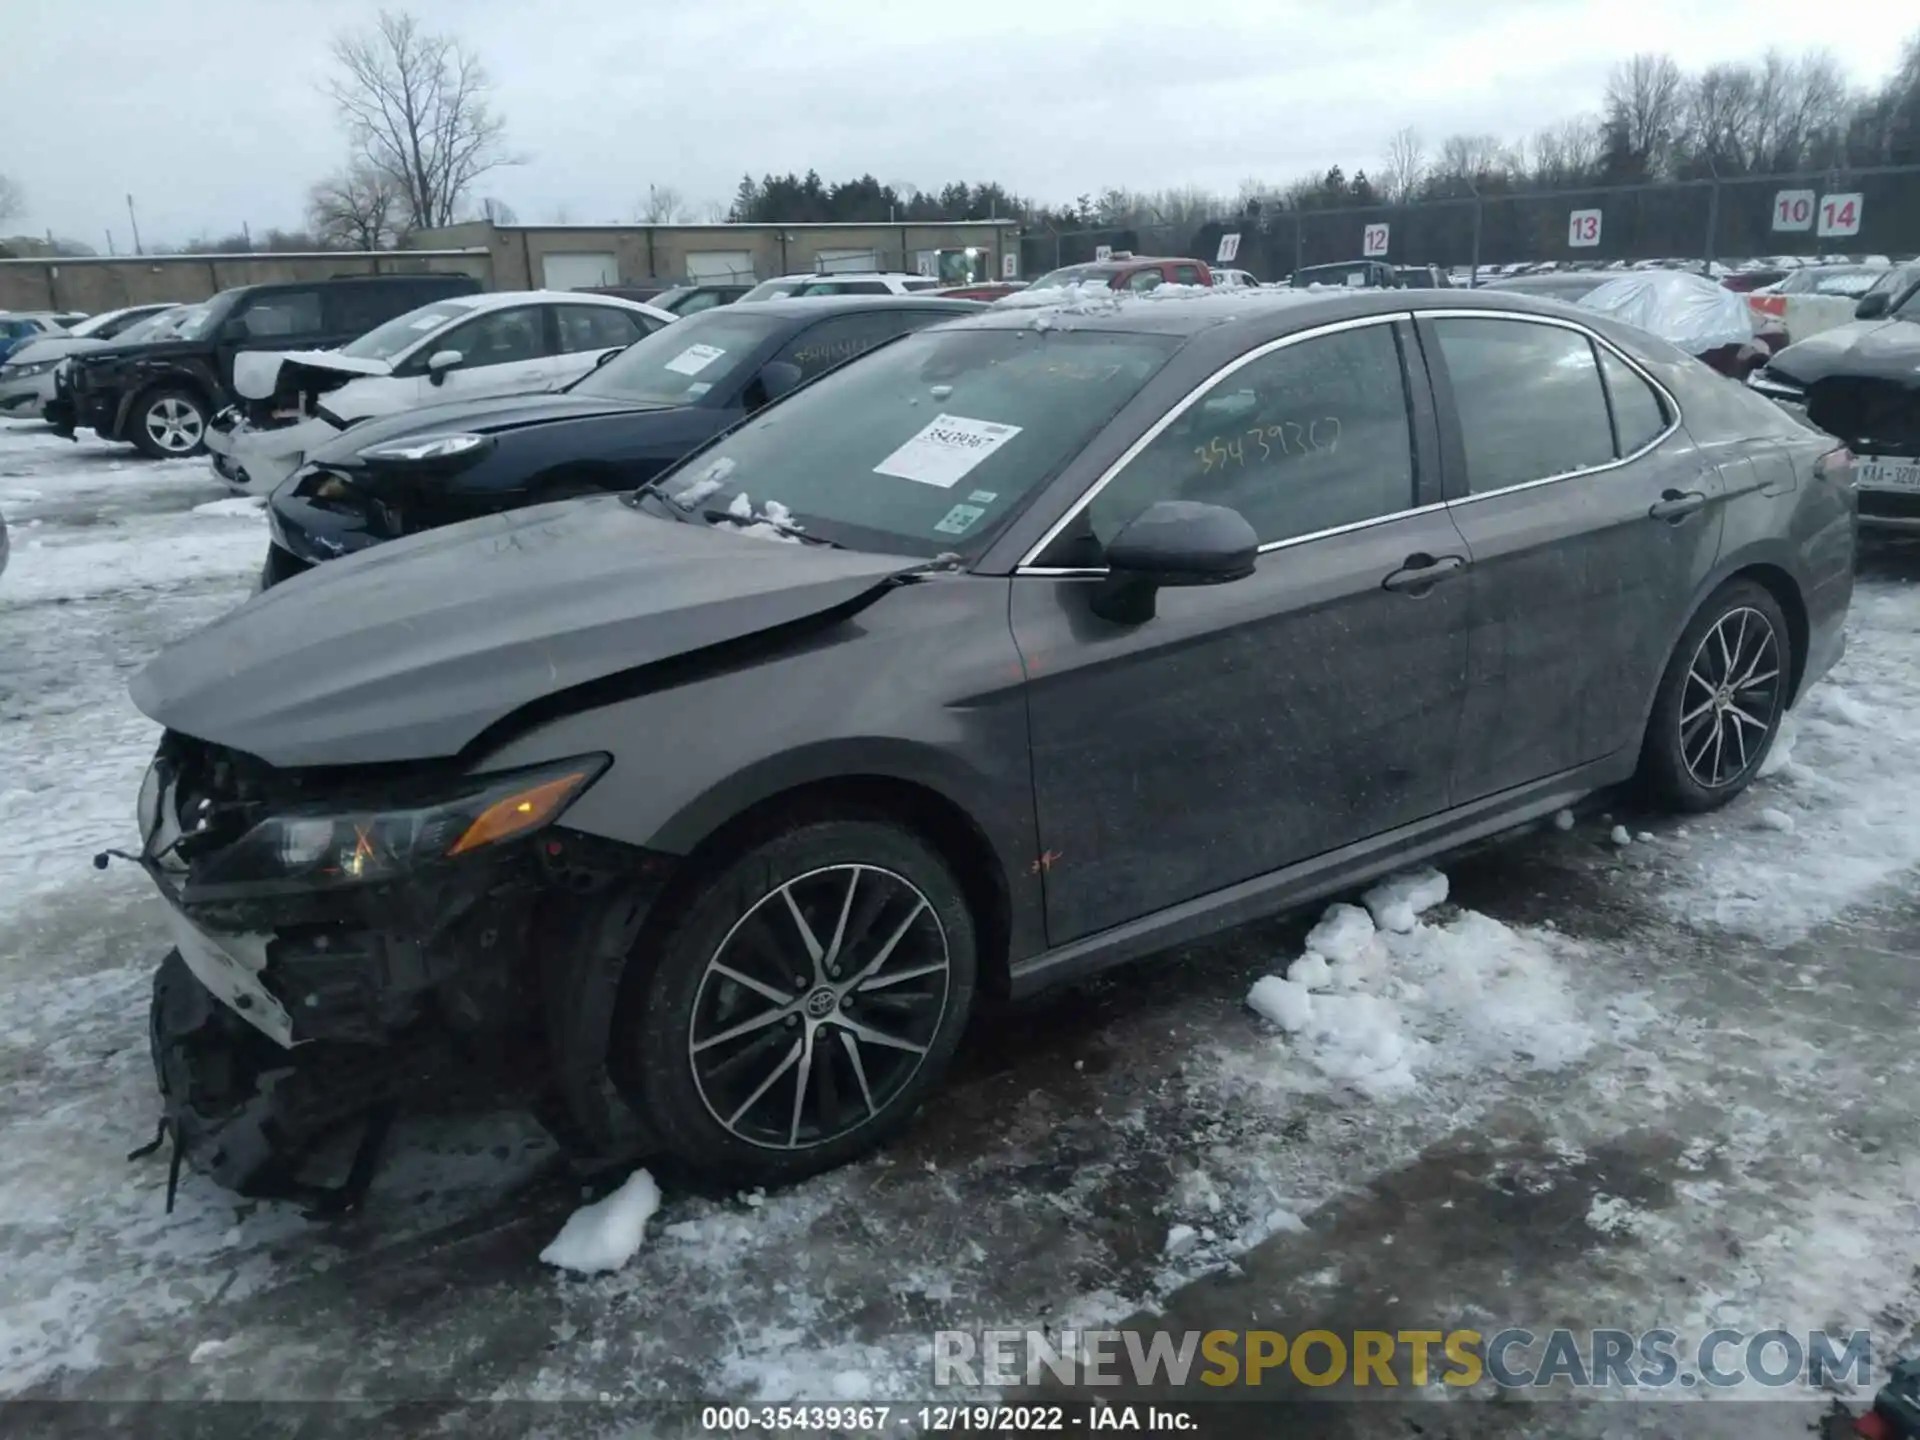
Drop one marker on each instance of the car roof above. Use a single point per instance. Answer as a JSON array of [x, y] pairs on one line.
[[1268, 313], [849, 305]]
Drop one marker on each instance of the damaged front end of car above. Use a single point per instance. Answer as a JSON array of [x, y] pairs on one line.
[[346, 942]]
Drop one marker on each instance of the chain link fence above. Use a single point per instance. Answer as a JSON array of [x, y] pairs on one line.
[[1860, 212]]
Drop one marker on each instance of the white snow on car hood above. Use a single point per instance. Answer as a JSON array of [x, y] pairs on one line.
[[257, 372]]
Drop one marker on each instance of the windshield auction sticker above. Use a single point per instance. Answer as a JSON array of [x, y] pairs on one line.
[[944, 452], [694, 359]]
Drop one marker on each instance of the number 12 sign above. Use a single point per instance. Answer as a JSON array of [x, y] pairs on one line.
[[1373, 241], [1583, 228]]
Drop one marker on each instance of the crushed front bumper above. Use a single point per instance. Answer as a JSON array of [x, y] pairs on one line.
[[256, 461]]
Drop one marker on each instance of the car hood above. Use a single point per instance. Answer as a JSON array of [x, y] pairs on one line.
[[410, 650], [1863, 350], [472, 417], [257, 373], [51, 347]]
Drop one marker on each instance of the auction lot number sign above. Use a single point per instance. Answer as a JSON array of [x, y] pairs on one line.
[[1826, 215]]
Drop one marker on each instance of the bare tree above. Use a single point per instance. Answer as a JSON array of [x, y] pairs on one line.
[[663, 206], [716, 212], [416, 106], [359, 209], [13, 203], [1406, 165], [1565, 154], [1645, 96], [498, 211]]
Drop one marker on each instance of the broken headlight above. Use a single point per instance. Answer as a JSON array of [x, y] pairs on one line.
[[315, 849]]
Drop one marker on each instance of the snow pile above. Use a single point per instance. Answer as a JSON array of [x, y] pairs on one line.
[[1370, 1008], [1397, 902], [608, 1233], [242, 506], [773, 521]]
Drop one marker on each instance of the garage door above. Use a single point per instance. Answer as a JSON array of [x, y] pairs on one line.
[[838, 260], [579, 270], [719, 266]]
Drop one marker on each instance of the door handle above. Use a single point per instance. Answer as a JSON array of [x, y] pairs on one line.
[[1422, 572], [1673, 506]]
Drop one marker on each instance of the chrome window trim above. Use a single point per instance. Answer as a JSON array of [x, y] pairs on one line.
[[1174, 412], [1672, 402]]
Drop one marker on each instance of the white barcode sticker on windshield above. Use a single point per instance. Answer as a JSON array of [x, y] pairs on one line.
[[428, 322], [694, 359], [946, 450]]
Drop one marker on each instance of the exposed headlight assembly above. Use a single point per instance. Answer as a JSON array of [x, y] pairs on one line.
[[423, 449], [23, 372], [1776, 387], [315, 849]]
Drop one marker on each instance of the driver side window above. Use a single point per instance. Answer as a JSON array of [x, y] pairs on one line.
[[1310, 437], [504, 337]]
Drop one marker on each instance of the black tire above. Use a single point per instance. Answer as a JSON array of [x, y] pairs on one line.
[[664, 997], [168, 423], [1701, 748]]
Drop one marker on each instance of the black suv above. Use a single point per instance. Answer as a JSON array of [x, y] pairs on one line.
[[160, 396]]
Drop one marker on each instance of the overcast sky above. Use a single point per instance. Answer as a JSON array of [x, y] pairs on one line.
[[209, 112]]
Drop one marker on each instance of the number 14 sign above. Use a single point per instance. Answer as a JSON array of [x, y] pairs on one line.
[[1832, 215]]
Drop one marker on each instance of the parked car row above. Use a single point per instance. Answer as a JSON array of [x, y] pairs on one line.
[[728, 796]]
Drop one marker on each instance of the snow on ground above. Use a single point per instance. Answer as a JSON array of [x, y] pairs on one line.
[[1667, 1082]]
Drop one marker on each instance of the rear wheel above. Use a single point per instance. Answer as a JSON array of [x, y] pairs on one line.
[[1720, 701], [809, 996], [168, 424]]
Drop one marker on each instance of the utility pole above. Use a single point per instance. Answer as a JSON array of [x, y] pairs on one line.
[[134, 220], [246, 233], [109, 242]]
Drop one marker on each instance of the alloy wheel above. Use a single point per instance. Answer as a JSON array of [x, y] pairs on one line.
[[1730, 698], [819, 1006], [175, 425]]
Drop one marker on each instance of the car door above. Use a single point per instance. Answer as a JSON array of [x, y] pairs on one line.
[[1253, 725], [503, 352], [1591, 521], [584, 334]]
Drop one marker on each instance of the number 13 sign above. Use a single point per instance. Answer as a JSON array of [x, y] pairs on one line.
[[1583, 228]]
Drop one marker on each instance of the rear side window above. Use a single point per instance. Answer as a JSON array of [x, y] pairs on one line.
[[1529, 400], [1639, 415], [1145, 280], [1186, 274], [1311, 437], [819, 348], [597, 327], [283, 312]]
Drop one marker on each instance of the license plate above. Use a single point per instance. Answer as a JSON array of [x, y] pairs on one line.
[[1872, 473]]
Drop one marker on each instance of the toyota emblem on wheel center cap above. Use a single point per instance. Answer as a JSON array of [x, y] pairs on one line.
[[822, 1002]]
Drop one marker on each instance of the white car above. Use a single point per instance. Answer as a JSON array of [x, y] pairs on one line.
[[841, 282], [26, 374], [461, 348], [1233, 279]]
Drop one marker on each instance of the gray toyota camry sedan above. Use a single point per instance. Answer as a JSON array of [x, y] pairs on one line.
[[1025, 645]]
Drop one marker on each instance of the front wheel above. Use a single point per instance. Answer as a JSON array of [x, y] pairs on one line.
[[1720, 701], [807, 999], [168, 424]]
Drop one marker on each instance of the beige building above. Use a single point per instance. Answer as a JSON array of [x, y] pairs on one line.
[[533, 257], [567, 257]]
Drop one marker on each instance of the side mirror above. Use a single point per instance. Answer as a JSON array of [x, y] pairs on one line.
[[439, 363], [777, 377], [1173, 542], [1871, 307], [234, 331]]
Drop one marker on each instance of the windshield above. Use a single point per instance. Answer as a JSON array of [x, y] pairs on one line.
[[771, 290], [94, 324], [928, 444], [166, 325], [199, 322], [685, 361], [1906, 283], [1076, 275], [383, 342]]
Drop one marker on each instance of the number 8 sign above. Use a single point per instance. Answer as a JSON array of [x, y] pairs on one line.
[[1583, 228]]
